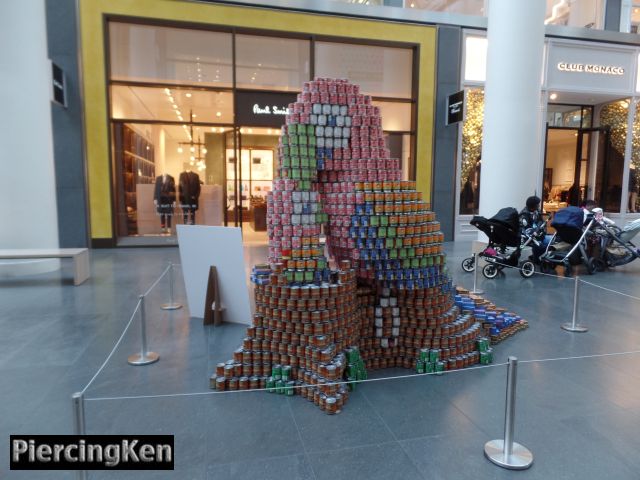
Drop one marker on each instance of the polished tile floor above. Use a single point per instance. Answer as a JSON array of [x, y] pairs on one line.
[[579, 416]]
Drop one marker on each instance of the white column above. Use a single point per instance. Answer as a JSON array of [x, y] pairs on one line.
[[28, 212], [511, 133]]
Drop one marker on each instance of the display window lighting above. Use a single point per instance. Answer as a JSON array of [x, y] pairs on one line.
[[251, 130], [553, 96], [174, 106], [178, 112], [167, 91], [242, 130], [192, 158], [180, 118], [193, 149], [218, 114], [180, 150], [194, 115], [204, 151], [188, 95]]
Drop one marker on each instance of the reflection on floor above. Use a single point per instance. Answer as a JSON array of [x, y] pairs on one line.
[[579, 417]]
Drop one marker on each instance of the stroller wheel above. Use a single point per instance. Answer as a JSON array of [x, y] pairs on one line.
[[527, 269], [468, 264], [592, 266], [601, 265], [490, 271]]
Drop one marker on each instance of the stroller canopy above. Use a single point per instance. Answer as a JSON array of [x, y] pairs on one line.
[[508, 217], [502, 228], [571, 217]]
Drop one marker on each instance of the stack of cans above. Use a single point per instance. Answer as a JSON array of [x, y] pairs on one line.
[[389, 302]]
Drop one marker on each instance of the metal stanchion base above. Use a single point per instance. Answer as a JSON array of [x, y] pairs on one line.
[[139, 359], [520, 459], [171, 306], [569, 327], [477, 291]]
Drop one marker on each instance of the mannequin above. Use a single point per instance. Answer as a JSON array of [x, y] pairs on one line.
[[189, 183], [633, 189], [164, 198]]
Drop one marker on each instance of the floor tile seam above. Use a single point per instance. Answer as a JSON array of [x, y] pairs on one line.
[[366, 398], [304, 447], [253, 459], [355, 447]]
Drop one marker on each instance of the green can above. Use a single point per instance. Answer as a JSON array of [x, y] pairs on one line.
[[271, 385], [391, 232], [304, 161], [420, 366], [429, 367], [302, 139], [312, 140], [424, 354], [289, 276], [308, 275], [351, 383], [406, 263], [403, 253], [295, 174], [311, 149], [279, 387], [434, 355], [483, 344], [285, 140], [304, 151], [276, 372], [384, 220], [411, 252], [399, 242], [439, 368], [295, 161], [292, 128], [289, 390], [374, 221], [393, 254], [286, 372], [382, 232], [485, 358], [293, 140]]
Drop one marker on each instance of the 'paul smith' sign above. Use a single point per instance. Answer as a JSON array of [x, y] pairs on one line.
[[269, 110], [262, 109], [590, 68]]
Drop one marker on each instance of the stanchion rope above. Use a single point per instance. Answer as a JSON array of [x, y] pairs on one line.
[[157, 281], [609, 290], [115, 347]]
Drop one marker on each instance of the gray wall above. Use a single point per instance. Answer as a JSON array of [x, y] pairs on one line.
[[71, 192], [446, 137]]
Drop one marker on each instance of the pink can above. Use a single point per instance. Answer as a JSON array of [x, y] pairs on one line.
[[315, 97], [352, 99], [328, 164], [342, 99], [324, 97], [333, 98], [365, 120], [346, 153], [337, 153]]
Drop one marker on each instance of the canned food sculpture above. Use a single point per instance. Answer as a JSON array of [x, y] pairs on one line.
[[386, 303]]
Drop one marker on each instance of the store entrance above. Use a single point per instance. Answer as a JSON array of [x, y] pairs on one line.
[[576, 166], [250, 164]]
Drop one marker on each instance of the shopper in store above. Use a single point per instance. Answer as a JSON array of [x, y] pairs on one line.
[[531, 218], [164, 198]]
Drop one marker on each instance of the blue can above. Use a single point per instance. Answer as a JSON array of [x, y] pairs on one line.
[[355, 221], [368, 209], [364, 221], [379, 242], [331, 121], [359, 209], [372, 232], [328, 153], [383, 254]]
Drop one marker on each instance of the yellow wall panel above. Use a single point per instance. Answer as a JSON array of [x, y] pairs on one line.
[[93, 12]]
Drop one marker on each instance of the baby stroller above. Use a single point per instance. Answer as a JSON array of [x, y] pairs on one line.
[[505, 244], [614, 243], [569, 244]]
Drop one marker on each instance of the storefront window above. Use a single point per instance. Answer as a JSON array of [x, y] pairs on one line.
[[147, 53], [380, 71], [569, 116], [582, 13], [191, 147], [271, 63], [471, 153], [171, 104], [608, 187]]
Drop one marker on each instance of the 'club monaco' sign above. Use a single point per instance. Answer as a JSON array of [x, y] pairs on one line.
[[590, 68]]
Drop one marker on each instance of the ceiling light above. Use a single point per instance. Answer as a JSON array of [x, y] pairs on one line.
[[180, 150], [251, 130], [192, 158], [180, 118], [194, 115], [204, 151], [269, 131], [218, 114], [259, 64], [178, 112], [221, 130], [553, 96], [174, 106], [242, 130], [188, 95], [193, 149], [191, 163], [213, 129], [413, 5], [171, 99], [167, 91], [184, 126]]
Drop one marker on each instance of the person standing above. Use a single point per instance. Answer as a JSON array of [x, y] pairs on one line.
[[633, 189]]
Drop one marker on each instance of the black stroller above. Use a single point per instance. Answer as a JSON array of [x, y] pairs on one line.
[[570, 243], [505, 243]]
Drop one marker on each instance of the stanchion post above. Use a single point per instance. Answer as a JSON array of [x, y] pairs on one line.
[[506, 453], [476, 290], [77, 403], [171, 305], [574, 326], [144, 357]]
